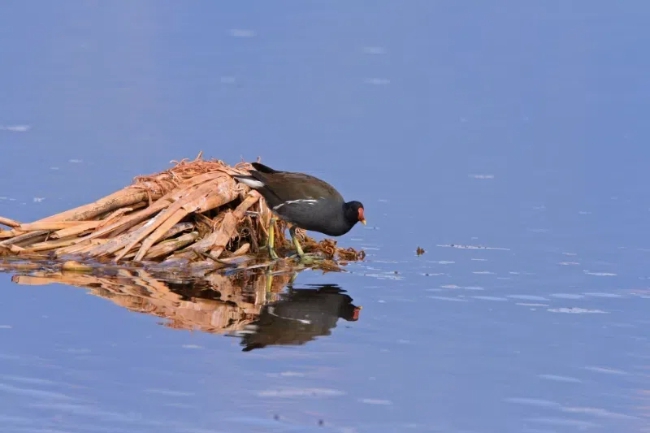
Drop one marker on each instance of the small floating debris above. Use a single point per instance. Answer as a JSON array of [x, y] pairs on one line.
[[419, 251], [193, 212]]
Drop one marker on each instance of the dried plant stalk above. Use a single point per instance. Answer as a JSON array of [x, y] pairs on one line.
[[50, 245], [117, 214], [207, 197], [82, 249], [6, 234], [24, 237], [48, 225], [226, 231], [241, 250], [169, 246], [157, 226], [123, 198], [75, 230], [9, 222]]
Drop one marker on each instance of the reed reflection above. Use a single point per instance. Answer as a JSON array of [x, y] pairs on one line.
[[262, 308]]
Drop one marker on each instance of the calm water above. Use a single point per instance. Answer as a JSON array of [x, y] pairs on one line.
[[517, 127]]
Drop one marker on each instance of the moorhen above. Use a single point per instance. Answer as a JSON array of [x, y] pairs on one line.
[[303, 201]]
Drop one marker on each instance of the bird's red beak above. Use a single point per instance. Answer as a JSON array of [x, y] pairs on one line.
[[362, 219]]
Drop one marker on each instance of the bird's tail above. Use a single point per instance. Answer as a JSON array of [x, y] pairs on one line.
[[249, 181], [263, 168]]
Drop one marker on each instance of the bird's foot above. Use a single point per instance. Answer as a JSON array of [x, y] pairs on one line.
[[304, 258], [307, 258]]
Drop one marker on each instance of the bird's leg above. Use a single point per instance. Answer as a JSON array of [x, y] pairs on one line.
[[292, 280], [269, 283], [305, 259], [292, 232], [271, 241]]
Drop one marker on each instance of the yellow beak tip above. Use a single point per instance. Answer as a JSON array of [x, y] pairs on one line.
[[363, 221]]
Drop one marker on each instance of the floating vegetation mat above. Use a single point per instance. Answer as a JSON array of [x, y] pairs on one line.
[[193, 215], [252, 305]]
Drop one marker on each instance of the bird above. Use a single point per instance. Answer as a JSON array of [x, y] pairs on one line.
[[303, 201]]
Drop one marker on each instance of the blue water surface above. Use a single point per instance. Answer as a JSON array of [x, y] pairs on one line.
[[507, 139]]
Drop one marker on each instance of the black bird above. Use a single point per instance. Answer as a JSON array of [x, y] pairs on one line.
[[303, 201]]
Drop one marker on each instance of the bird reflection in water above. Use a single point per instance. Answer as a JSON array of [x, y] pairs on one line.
[[262, 308], [299, 316]]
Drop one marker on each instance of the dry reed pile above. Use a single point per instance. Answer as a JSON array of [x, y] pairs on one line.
[[192, 212]]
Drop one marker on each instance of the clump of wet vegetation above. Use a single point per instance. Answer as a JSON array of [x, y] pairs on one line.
[[194, 213]]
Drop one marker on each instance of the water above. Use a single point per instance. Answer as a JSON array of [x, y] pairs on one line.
[[516, 128]]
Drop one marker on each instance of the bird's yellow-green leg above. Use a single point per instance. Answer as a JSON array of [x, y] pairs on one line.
[[294, 239], [305, 259], [269, 282], [271, 241], [292, 280]]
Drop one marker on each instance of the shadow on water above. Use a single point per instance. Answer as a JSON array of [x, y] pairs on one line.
[[261, 308]]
